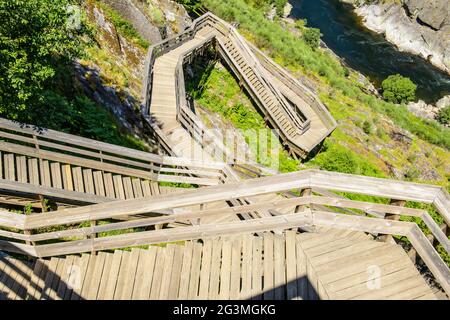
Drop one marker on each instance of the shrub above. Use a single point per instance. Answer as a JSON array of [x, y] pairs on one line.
[[340, 159], [312, 37], [443, 116], [367, 127], [398, 89]]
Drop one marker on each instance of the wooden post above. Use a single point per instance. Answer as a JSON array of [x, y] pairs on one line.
[[303, 193], [395, 217], [93, 235]]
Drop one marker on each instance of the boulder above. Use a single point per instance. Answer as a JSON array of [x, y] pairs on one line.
[[434, 13], [423, 110], [287, 10], [442, 103]]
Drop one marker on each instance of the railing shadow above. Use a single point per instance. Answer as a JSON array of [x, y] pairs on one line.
[[31, 280], [297, 289]]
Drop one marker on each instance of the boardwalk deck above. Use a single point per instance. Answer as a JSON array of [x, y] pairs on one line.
[[327, 265]]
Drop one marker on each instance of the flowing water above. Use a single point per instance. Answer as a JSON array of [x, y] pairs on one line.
[[366, 51]]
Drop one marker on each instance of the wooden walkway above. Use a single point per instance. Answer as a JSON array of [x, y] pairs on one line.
[[303, 122], [333, 265]]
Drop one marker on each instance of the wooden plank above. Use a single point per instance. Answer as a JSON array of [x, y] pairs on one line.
[[269, 280], [55, 169], [157, 274], [45, 294], [105, 276], [21, 169], [57, 278], [247, 262], [127, 290], [118, 187], [37, 280], [80, 274], [108, 293], [176, 272], [109, 185], [213, 292], [98, 183], [127, 186], [235, 279], [167, 273], [205, 270], [291, 266], [33, 171], [144, 274], [73, 278], [279, 267], [64, 281], [22, 280], [155, 188], [67, 177], [1, 165], [146, 188], [257, 268], [225, 270], [77, 177], [88, 181], [94, 284], [194, 278], [89, 274], [10, 167], [122, 277], [46, 178], [137, 188], [185, 271]]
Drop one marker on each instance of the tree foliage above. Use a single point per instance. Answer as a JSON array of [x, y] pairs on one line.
[[398, 89], [36, 39], [312, 37]]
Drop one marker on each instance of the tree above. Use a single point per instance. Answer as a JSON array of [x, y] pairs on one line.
[[398, 89], [312, 37], [36, 38], [443, 116]]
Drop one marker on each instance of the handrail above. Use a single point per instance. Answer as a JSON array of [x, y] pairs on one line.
[[273, 184], [65, 148], [296, 86]]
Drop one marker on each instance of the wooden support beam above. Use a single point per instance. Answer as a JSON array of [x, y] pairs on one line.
[[395, 217]]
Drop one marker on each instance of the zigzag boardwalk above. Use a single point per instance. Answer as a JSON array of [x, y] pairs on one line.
[[303, 122], [335, 265]]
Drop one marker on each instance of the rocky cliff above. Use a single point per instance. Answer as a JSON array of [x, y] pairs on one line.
[[420, 27]]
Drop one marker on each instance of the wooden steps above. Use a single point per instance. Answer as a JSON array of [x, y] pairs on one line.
[[330, 265]]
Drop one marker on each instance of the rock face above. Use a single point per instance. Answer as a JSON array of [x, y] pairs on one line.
[[428, 111], [421, 27], [153, 19]]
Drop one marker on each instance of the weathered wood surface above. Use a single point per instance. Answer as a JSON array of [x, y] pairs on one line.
[[334, 265]]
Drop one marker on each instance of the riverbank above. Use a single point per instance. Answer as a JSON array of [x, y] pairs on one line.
[[418, 27], [369, 52]]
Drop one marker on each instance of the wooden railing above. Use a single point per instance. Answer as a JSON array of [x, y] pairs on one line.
[[299, 122], [296, 86], [72, 237], [44, 144]]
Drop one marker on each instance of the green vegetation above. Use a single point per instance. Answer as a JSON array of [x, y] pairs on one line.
[[292, 52], [398, 89], [312, 37], [36, 42], [337, 158], [443, 116], [37, 51], [215, 89], [124, 27]]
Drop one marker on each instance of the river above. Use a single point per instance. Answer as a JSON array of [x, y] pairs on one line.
[[367, 51]]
